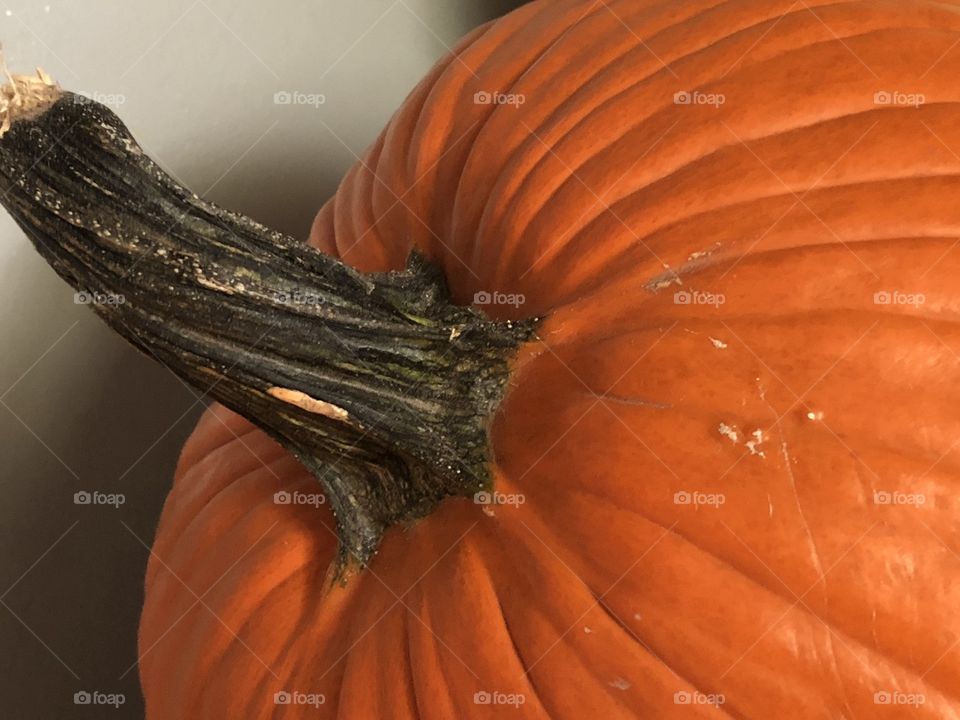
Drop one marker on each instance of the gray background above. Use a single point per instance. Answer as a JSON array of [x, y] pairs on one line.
[[79, 410]]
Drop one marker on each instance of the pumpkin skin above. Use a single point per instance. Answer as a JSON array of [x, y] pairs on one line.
[[795, 200]]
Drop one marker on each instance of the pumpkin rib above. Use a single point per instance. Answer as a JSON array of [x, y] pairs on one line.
[[898, 450], [871, 652], [563, 629], [518, 657], [830, 624], [594, 9], [418, 703], [616, 251], [211, 701], [604, 99], [447, 219], [215, 419], [572, 171], [353, 214], [744, 204], [415, 107], [499, 196], [171, 553], [199, 514], [426, 656], [616, 284], [542, 530], [229, 647], [488, 587], [424, 133]]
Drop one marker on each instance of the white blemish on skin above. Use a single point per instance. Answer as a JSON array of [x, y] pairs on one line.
[[769, 505], [719, 344], [754, 445], [815, 415], [636, 616], [587, 630], [661, 284], [310, 404], [729, 431], [620, 684]]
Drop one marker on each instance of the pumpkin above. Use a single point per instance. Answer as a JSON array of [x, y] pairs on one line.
[[721, 474]]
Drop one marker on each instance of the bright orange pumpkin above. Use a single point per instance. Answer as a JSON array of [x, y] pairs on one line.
[[733, 439]]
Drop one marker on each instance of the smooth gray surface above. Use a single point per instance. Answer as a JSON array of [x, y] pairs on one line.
[[79, 410]]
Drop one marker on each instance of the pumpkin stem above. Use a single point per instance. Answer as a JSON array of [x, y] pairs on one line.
[[380, 385]]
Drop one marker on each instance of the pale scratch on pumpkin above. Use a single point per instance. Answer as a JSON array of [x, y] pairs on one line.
[[719, 344], [620, 684], [814, 554], [310, 404]]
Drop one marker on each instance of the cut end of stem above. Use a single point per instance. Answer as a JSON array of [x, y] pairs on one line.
[[24, 96]]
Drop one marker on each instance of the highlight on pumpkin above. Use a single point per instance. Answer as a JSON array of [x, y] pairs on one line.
[[616, 379]]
